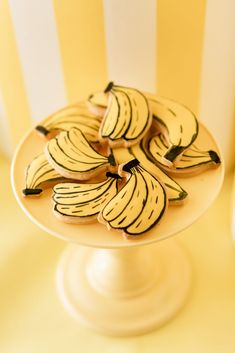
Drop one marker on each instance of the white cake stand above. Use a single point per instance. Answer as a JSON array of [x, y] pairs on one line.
[[114, 285]]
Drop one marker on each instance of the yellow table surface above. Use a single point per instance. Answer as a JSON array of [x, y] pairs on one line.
[[32, 320]]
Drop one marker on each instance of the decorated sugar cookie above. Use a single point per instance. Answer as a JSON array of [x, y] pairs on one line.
[[81, 203], [175, 193], [127, 117], [177, 123], [76, 115], [139, 205], [73, 157], [192, 161], [40, 175]]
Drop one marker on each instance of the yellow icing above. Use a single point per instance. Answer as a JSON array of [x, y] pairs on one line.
[[154, 207], [127, 116], [179, 124], [122, 155], [71, 153], [76, 115], [138, 206], [83, 200], [140, 114], [40, 171], [191, 159], [119, 99], [99, 98], [173, 189], [124, 210]]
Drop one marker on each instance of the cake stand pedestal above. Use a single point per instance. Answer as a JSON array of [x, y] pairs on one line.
[[114, 285], [124, 291]]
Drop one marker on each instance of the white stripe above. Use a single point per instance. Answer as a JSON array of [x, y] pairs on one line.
[[218, 74], [37, 41], [131, 42], [6, 145]]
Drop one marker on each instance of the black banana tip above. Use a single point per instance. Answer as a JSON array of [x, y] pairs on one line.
[[214, 157], [128, 166], [113, 175], [109, 87], [27, 192], [42, 130], [173, 152], [111, 160], [183, 195]]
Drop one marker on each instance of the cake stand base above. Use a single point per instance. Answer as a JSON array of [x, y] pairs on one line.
[[123, 292]]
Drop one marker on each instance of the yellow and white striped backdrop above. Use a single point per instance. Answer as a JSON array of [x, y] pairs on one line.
[[55, 52]]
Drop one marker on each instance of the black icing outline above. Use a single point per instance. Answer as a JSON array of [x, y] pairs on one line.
[[182, 193], [213, 155], [100, 164], [126, 185], [110, 183], [158, 119], [113, 175], [119, 89], [125, 229], [131, 164], [162, 211]]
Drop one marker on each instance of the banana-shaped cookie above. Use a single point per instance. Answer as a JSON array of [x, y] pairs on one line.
[[178, 124], [39, 175], [76, 115], [139, 205], [73, 157], [81, 203], [193, 160], [175, 193], [127, 117]]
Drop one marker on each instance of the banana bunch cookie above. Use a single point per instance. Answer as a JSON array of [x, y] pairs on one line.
[[81, 203], [178, 125], [71, 155], [139, 205], [175, 193], [193, 161], [127, 117], [76, 115], [39, 176]]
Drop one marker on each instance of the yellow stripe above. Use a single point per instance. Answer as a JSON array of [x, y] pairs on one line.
[[82, 43], [180, 30], [11, 80]]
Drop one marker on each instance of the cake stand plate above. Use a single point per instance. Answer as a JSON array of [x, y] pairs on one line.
[[116, 285]]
